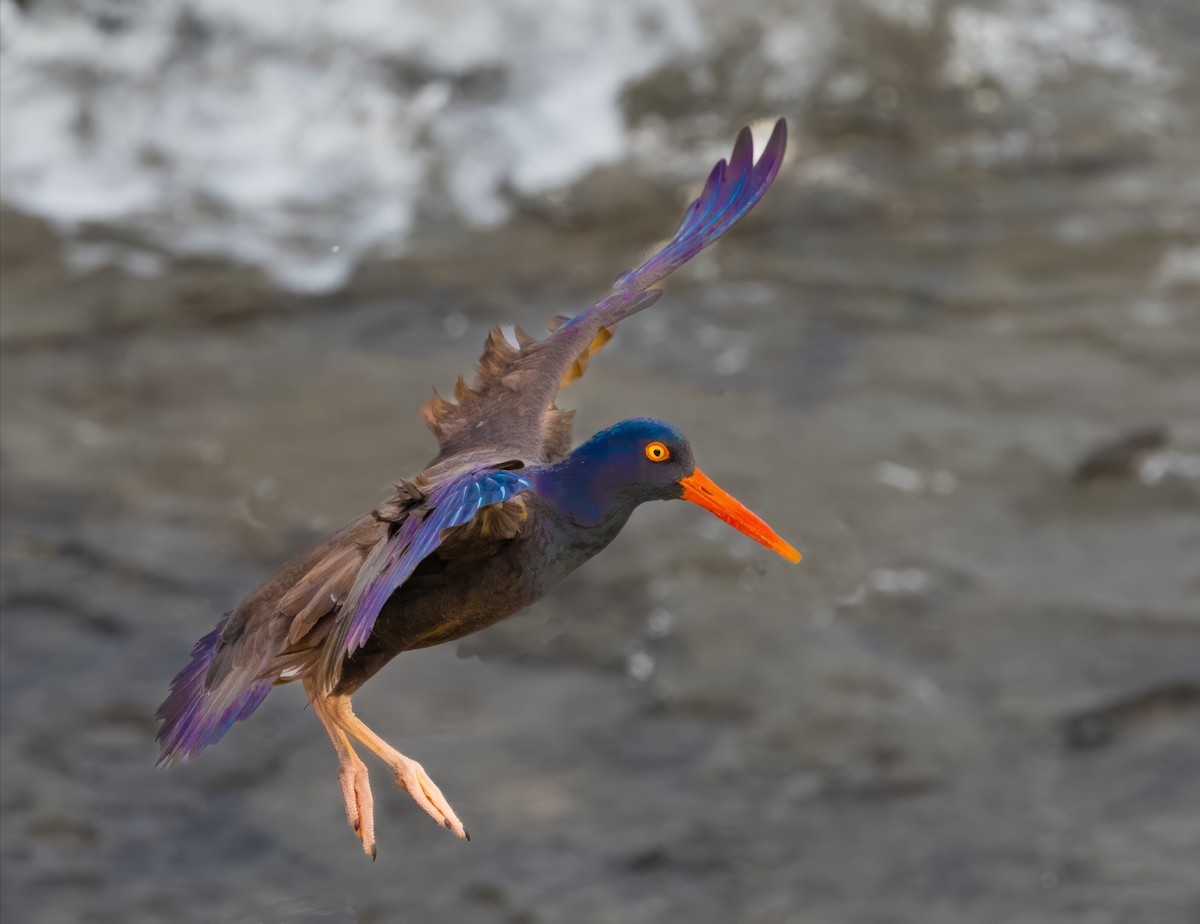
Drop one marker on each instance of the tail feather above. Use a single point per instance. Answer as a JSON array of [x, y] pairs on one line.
[[194, 714], [234, 667]]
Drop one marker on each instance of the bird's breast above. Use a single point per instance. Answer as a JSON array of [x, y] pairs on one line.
[[449, 598]]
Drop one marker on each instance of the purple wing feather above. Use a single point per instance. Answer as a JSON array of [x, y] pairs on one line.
[[731, 191], [509, 412], [452, 504], [195, 716]]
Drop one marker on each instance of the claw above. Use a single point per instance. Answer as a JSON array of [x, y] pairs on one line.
[[412, 776], [360, 809], [352, 774]]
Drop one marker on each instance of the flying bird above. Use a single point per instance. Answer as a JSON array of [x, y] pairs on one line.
[[504, 512]]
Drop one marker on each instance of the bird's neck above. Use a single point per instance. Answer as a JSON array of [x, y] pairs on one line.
[[581, 490]]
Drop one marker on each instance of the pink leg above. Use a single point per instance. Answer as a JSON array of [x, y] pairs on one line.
[[352, 775], [409, 774]]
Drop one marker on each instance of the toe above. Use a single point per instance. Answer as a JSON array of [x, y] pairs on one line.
[[349, 797], [366, 815], [449, 818], [360, 809], [426, 794]]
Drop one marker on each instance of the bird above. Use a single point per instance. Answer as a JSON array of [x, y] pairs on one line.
[[504, 511]]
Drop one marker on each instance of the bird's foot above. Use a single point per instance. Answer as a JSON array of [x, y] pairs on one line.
[[412, 776], [360, 807]]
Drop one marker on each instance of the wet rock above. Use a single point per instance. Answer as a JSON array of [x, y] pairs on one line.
[[1121, 456], [1102, 724]]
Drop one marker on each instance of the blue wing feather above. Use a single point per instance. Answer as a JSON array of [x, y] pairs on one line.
[[452, 504], [521, 422], [730, 192]]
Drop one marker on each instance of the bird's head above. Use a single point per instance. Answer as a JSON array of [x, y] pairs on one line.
[[644, 459]]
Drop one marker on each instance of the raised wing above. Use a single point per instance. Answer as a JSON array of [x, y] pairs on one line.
[[395, 558], [509, 412]]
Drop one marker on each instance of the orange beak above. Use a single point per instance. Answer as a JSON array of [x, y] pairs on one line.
[[700, 489]]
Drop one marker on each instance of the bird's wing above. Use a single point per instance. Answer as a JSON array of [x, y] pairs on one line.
[[276, 627], [510, 409], [318, 584], [395, 557]]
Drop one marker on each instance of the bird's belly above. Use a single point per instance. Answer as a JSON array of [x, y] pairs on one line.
[[467, 597], [474, 599], [471, 594]]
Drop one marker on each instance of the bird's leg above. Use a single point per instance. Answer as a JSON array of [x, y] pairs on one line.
[[352, 775], [409, 774]]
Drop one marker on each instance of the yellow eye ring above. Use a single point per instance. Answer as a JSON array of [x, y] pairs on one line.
[[657, 452]]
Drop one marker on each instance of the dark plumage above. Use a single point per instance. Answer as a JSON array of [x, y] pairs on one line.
[[502, 513]]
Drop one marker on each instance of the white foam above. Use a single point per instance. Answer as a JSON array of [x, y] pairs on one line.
[[303, 135], [299, 135], [1022, 44]]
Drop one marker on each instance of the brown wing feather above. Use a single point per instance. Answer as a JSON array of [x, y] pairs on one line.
[[321, 588], [282, 622], [510, 409]]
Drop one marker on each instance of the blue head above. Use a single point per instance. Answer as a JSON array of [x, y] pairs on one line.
[[631, 462], [641, 460]]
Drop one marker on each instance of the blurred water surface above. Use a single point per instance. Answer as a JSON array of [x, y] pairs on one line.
[[241, 243]]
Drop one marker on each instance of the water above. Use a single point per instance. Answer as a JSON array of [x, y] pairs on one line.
[[974, 701]]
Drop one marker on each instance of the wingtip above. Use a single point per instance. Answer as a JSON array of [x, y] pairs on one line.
[[716, 177], [777, 143], [771, 156], [731, 190], [743, 148]]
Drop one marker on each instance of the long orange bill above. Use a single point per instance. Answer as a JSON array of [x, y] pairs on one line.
[[700, 489]]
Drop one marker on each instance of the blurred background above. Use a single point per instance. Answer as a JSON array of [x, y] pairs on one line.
[[954, 355]]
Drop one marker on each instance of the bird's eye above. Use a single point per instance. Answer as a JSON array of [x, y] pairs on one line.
[[657, 452]]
